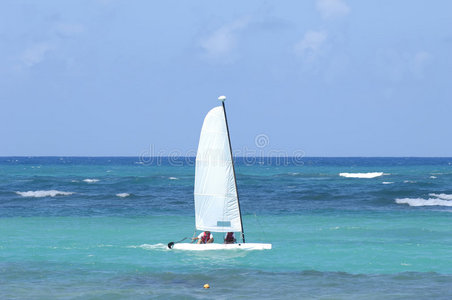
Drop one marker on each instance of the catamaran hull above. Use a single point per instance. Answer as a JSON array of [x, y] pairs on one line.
[[240, 246]]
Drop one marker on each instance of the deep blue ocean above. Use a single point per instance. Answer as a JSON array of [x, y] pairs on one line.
[[341, 228]]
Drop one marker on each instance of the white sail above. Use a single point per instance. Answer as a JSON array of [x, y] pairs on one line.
[[216, 202]]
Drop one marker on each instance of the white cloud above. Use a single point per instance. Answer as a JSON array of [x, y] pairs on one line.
[[106, 2], [38, 51], [397, 65], [35, 54], [221, 42], [419, 63], [67, 30], [332, 9], [311, 44]]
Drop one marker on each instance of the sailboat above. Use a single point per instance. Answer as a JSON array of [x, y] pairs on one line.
[[217, 206]]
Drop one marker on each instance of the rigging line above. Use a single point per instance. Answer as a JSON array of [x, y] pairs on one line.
[[233, 170]]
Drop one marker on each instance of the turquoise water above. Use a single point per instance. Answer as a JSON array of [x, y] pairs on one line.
[[333, 237]]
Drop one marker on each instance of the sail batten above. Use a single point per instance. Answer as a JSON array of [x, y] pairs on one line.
[[216, 201]]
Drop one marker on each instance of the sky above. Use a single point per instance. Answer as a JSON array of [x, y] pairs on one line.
[[320, 77]]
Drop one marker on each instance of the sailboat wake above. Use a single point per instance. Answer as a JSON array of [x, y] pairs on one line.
[[158, 246]]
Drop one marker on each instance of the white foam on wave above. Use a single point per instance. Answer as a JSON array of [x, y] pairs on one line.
[[432, 177], [123, 195], [424, 202], [441, 196], [362, 175], [40, 194], [173, 178], [89, 180], [387, 182]]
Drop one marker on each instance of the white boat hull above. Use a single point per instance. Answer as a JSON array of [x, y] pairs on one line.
[[238, 246]]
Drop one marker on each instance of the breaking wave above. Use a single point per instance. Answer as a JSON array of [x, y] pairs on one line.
[[441, 196], [88, 180], [362, 175], [39, 194], [173, 178], [424, 202], [439, 200], [123, 195], [387, 182]]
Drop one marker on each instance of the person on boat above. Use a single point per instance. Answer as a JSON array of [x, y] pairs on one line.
[[229, 238], [204, 238]]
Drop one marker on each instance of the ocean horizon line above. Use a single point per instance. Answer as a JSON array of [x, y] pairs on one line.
[[235, 157]]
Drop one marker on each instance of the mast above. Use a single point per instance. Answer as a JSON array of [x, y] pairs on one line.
[[222, 98]]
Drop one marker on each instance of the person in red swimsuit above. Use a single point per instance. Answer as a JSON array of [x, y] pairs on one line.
[[229, 238], [204, 238]]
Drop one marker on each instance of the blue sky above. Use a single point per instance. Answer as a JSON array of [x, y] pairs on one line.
[[326, 77]]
